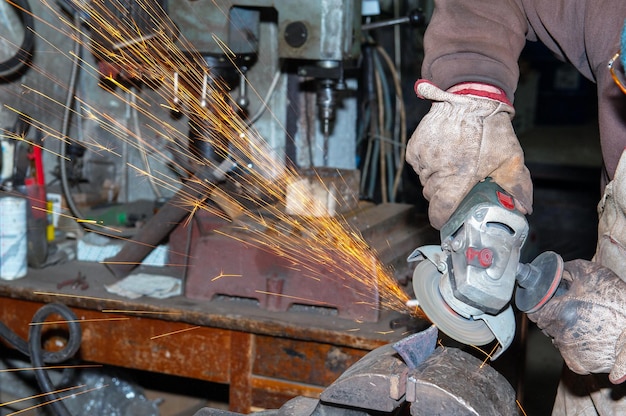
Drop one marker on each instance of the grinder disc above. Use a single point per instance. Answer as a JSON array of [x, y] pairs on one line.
[[426, 286]]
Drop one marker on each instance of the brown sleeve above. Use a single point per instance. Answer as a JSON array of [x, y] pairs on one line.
[[476, 41], [481, 41]]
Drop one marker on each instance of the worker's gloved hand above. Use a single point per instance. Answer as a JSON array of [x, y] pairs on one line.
[[466, 137], [587, 323]]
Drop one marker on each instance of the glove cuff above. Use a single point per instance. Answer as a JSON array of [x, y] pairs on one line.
[[479, 89]]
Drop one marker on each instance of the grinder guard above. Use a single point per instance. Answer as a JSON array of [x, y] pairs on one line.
[[471, 326]]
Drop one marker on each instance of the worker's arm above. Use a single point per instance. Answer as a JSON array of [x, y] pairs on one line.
[[471, 53], [475, 41]]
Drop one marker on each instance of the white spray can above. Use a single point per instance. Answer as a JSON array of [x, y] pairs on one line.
[[13, 237]]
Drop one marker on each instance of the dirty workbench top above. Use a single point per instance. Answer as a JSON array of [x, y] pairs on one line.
[[40, 285]]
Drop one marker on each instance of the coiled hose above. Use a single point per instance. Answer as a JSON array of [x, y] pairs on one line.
[[13, 65], [40, 357]]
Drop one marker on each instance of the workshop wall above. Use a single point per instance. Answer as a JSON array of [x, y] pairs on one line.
[[41, 93]]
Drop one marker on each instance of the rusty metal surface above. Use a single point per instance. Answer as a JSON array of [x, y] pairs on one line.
[[128, 343], [237, 263], [245, 361], [306, 362], [234, 266]]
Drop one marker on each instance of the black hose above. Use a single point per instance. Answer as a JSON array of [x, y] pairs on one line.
[[40, 357], [24, 53]]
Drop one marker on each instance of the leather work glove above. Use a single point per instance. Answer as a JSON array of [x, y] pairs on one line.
[[587, 322], [466, 137]]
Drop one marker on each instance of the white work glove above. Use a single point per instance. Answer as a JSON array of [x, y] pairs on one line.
[[587, 323], [466, 137]]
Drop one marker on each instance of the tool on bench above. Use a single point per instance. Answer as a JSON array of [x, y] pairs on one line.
[[80, 282], [465, 286]]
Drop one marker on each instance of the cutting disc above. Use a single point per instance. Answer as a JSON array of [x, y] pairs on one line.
[[426, 279]]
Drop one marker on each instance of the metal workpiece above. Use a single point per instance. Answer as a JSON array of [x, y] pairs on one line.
[[415, 348], [453, 383], [298, 406], [161, 224]]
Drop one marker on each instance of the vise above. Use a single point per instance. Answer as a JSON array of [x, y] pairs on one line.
[[408, 376]]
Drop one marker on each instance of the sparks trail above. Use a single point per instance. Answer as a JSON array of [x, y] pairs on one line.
[[181, 80], [175, 332], [78, 320], [51, 367], [57, 399], [36, 396]]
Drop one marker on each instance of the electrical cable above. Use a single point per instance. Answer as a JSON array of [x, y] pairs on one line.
[[25, 51], [134, 114], [369, 107], [401, 110], [386, 121], [40, 357], [265, 100], [65, 132], [65, 121], [382, 144], [387, 136]]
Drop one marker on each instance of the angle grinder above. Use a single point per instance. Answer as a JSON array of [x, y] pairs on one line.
[[465, 286]]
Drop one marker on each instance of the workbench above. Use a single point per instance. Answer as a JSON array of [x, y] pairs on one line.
[[265, 357]]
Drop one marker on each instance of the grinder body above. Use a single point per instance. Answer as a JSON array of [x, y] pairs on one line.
[[466, 285]]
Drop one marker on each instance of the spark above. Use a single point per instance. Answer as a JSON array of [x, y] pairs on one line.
[[52, 367], [77, 320], [291, 297], [56, 400], [495, 347], [222, 274], [520, 407], [487, 355], [65, 295], [86, 221], [12, 402], [175, 332], [139, 312], [79, 220]]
